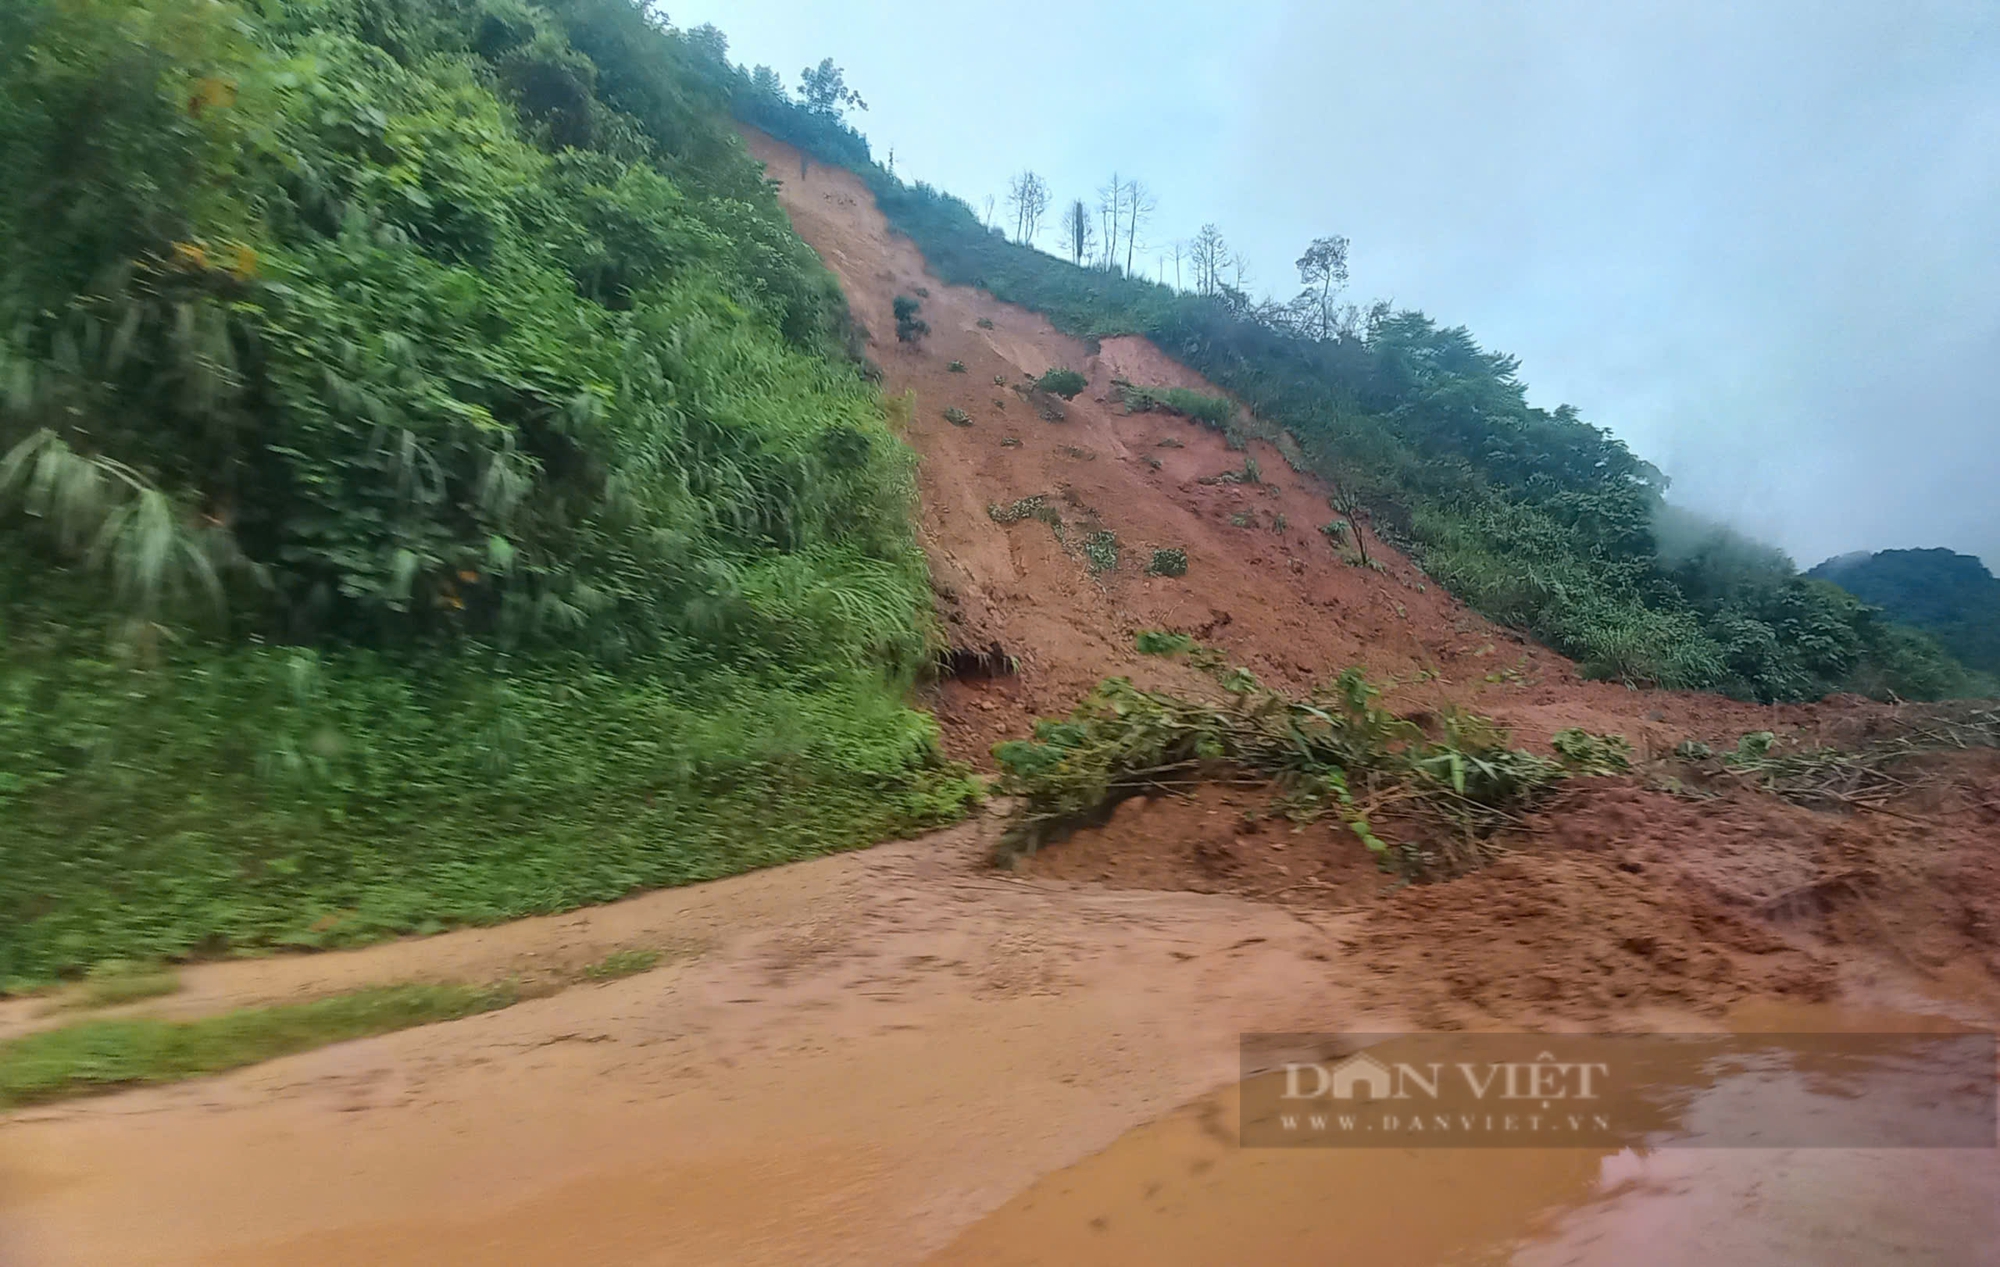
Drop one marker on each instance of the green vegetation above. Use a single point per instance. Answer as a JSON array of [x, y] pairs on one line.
[[1887, 767], [1213, 412], [956, 367], [1035, 507], [1062, 382], [1338, 752], [1160, 642], [1534, 516], [117, 981], [623, 963], [436, 483], [1169, 561], [1949, 595], [957, 417], [909, 327], [1101, 549], [95, 1056]]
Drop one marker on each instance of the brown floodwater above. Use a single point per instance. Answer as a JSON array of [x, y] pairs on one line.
[[1183, 1190]]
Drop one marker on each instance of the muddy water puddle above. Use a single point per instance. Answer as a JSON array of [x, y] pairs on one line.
[[1184, 1189]]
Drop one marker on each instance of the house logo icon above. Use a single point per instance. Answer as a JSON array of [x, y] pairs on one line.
[[1359, 1071]]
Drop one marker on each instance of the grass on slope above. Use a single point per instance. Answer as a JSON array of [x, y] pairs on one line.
[[227, 800], [104, 1055], [95, 1056]]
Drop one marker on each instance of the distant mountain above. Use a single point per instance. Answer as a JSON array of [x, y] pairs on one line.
[[1949, 594]]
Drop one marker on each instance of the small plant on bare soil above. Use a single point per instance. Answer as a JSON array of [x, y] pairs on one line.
[[1213, 412], [1101, 548], [1171, 561], [1160, 642], [1336, 532], [1153, 463], [1170, 443], [999, 380], [957, 417], [1080, 454], [1585, 753], [1036, 507], [984, 323], [1047, 407], [1248, 473], [956, 367], [1011, 442], [1244, 519]]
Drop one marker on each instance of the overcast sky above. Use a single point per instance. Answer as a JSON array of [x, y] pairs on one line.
[[1758, 240]]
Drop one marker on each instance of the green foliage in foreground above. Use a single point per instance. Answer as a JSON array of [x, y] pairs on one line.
[[97, 1056], [231, 799], [434, 483], [118, 981], [1337, 752], [1534, 516]]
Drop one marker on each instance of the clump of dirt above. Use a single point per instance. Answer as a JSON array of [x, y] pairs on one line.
[[1217, 840], [1578, 938], [1615, 898]]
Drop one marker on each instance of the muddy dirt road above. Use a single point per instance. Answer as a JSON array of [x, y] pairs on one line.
[[857, 1060], [874, 1050]]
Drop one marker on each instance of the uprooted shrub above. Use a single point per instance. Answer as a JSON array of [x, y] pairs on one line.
[[910, 328], [1065, 383], [1337, 752]]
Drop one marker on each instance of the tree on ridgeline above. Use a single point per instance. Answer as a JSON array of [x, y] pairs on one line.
[[824, 90], [1139, 208], [1208, 256], [1028, 195], [1323, 272], [1078, 235]]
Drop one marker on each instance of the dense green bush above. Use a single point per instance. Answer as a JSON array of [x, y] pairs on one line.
[[458, 347], [1065, 383], [909, 327]]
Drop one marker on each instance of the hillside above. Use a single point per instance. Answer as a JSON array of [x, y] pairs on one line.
[[433, 484], [1539, 519], [823, 1026], [1949, 595], [1263, 583]]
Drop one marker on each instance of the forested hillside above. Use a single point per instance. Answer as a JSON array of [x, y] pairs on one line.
[[434, 482], [1536, 517], [1948, 594]]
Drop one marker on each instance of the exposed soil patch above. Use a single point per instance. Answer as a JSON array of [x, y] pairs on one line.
[[1218, 840], [1262, 583]]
